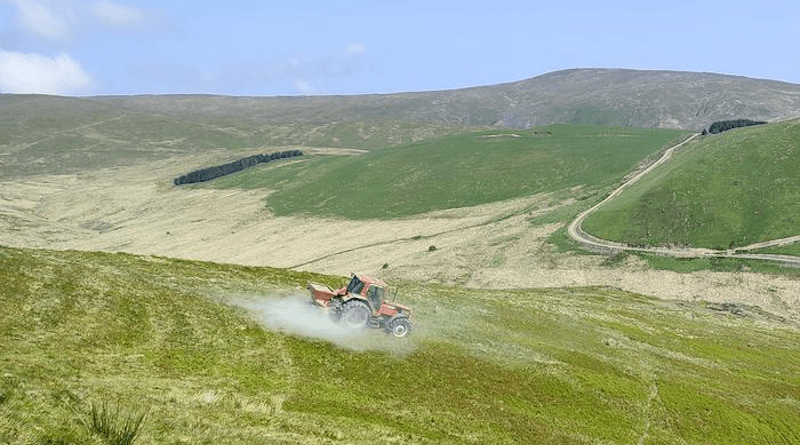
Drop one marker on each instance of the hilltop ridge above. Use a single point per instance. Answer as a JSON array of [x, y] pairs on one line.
[[624, 97]]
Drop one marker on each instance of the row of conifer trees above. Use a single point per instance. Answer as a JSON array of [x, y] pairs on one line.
[[720, 126], [210, 173]]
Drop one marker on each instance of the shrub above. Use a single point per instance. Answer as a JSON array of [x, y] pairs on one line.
[[114, 427]]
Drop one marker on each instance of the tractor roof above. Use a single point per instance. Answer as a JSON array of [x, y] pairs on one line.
[[369, 280]]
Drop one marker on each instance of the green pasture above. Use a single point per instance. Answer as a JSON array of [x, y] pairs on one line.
[[133, 336], [722, 191], [453, 171]]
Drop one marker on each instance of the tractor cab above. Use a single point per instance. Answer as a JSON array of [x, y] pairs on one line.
[[369, 289], [375, 295]]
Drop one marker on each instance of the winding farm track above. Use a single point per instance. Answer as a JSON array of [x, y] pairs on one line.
[[592, 242]]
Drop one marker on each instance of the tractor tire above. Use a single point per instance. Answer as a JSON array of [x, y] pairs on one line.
[[400, 327], [335, 310], [355, 314]]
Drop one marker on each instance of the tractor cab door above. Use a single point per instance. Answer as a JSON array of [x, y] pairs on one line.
[[375, 296]]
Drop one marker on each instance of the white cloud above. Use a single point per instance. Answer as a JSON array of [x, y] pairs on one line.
[[303, 87], [117, 15], [307, 72], [355, 48], [62, 20], [35, 73], [43, 20], [60, 23]]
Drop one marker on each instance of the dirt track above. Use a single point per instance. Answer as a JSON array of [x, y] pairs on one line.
[[138, 210]]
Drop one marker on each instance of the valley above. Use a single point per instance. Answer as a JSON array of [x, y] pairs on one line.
[[178, 304]]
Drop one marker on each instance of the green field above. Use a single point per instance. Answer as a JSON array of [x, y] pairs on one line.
[[454, 171], [724, 191], [159, 337]]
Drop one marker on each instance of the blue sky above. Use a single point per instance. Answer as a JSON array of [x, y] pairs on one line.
[[267, 48]]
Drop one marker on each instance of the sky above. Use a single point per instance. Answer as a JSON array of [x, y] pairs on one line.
[[313, 47]]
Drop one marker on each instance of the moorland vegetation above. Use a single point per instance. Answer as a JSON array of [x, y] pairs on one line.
[[137, 337]]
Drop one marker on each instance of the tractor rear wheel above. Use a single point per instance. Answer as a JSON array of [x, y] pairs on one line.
[[355, 314], [400, 327]]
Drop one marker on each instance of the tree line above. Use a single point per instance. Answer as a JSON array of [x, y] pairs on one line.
[[720, 126], [210, 173]]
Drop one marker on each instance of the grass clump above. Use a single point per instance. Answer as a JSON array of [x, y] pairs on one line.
[[114, 427]]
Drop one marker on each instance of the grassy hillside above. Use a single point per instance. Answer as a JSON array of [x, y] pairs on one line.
[[46, 134], [454, 171], [728, 190], [153, 336], [61, 135], [58, 135]]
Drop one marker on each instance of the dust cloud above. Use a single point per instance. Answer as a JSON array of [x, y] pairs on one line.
[[295, 315]]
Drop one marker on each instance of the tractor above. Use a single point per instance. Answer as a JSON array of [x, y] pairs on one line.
[[361, 304]]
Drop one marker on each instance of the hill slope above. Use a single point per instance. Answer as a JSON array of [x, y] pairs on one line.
[[61, 135], [49, 134], [582, 365], [731, 190], [454, 171], [663, 99]]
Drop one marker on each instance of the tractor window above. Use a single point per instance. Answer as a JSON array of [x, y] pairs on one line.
[[355, 285], [375, 295]]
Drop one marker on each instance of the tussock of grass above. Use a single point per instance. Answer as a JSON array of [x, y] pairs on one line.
[[114, 427], [583, 365]]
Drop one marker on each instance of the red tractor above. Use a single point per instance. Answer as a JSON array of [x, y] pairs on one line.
[[361, 304]]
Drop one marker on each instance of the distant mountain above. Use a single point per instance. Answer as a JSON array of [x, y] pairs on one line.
[[662, 99]]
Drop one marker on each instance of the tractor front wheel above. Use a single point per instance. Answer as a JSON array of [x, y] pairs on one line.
[[355, 314], [335, 309], [400, 327]]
